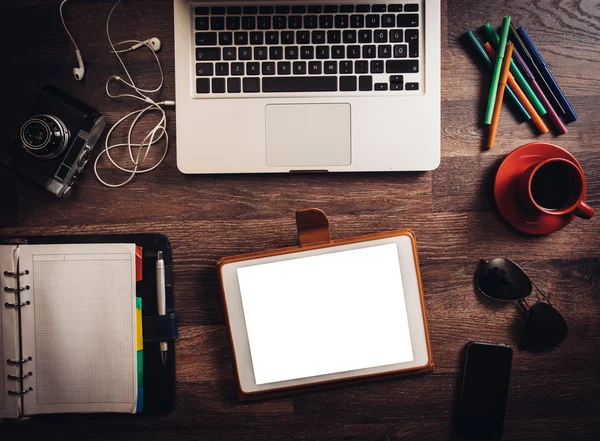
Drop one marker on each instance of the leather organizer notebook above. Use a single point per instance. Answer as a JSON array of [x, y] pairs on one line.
[[70, 334], [325, 312]]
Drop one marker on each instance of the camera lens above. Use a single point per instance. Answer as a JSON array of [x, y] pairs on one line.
[[44, 136]]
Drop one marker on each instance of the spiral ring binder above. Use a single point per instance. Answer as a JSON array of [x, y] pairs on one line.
[[15, 290], [15, 362], [16, 274], [20, 392], [17, 305], [20, 377]]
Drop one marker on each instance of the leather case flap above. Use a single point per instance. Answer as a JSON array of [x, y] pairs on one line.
[[313, 226]]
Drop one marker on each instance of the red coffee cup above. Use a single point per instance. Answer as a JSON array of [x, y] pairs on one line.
[[555, 186]]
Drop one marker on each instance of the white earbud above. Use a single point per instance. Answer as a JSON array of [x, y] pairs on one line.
[[154, 44], [79, 72]]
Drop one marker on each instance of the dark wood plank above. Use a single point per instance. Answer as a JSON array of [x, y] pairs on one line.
[[554, 395]]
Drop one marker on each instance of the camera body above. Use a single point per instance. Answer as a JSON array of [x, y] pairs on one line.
[[55, 142]]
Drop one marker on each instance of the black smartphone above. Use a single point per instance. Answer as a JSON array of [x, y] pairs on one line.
[[484, 390]]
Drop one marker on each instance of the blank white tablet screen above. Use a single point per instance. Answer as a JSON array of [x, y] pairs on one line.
[[325, 314]]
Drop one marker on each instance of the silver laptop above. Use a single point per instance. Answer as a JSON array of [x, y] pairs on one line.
[[297, 86]]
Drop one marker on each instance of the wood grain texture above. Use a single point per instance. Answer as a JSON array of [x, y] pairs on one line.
[[553, 396]]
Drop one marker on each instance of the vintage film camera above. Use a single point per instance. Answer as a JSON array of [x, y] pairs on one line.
[[55, 142]]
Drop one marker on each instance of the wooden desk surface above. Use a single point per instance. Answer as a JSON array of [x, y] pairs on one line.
[[553, 396]]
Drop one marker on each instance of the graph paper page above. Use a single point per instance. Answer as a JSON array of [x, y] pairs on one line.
[[83, 335]]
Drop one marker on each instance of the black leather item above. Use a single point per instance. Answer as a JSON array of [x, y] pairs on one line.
[[159, 328]]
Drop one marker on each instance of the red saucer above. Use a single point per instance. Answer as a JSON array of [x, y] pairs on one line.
[[506, 189]]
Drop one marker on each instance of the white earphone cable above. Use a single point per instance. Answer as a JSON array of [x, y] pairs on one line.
[[62, 18], [156, 134]]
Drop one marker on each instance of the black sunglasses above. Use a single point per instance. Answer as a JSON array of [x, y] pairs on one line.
[[502, 279]]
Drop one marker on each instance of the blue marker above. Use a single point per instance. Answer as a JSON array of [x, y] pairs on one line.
[[569, 113]]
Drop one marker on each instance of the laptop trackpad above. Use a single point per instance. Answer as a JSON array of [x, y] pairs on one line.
[[308, 135]]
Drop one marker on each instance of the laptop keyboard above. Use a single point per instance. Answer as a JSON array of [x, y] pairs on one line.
[[245, 50]]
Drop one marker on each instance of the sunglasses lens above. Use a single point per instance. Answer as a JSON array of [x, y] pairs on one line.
[[502, 279], [545, 328]]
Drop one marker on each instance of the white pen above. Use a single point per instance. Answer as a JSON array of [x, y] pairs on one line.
[[161, 300]]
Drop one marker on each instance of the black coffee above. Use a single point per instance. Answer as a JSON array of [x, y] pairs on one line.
[[553, 186]]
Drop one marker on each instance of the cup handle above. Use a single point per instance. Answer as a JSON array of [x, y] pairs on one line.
[[584, 211]]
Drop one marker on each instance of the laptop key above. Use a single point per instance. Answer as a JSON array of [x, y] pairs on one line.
[[365, 36], [204, 69], [402, 66], [408, 20], [295, 22], [217, 23], [397, 79], [225, 38], [201, 10], [396, 35], [268, 68], [264, 22], [400, 51], [299, 67], [291, 53], [348, 84], [412, 86], [396, 86], [229, 53], [368, 51], [276, 53], [240, 38], [349, 36], [237, 69], [341, 21], [334, 37], [248, 22], [266, 9], [245, 53], [298, 9], [329, 9], [381, 36], [282, 9], [314, 9], [284, 68], [279, 22], [388, 20], [318, 37], [357, 21], [303, 37], [363, 8], [412, 37], [202, 85], [300, 84], [208, 53], [233, 23], [218, 85], [322, 52], [251, 85], [384, 51], [376, 66], [253, 68], [338, 52], [361, 67], [411, 8], [372, 21], [256, 38], [345, 67], [381, 86], [206, 38], [378, 8], [260, 53], [330, 67], [326, 21], [394, 8], [250, 10], [353, 51], [272, 37], [307, 52], [365, 83], [287, 37], [233, 10], [222, 69], [202, 23], [347, 8], [311, 21], [314, 67]]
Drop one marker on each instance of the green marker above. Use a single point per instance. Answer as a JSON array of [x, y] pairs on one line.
[[496, 75], [490, 35]]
